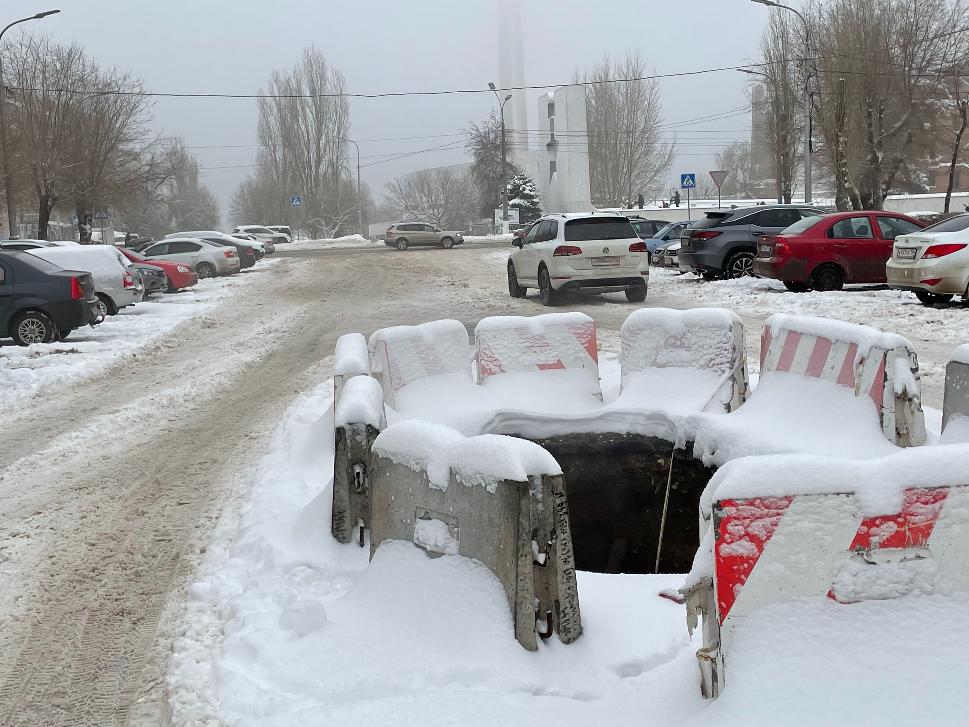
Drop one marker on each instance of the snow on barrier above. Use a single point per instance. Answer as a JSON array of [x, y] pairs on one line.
[[498, 500], [693, 360], [789, 527], [404, 354], [880, 366], [520, 344], [358, 419], [955, 409], [351, 359]]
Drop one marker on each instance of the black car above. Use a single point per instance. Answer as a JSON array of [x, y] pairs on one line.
[[246, 252], [153, 277], [40, 302]]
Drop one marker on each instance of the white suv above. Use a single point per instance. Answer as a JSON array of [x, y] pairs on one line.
[[587, 253]]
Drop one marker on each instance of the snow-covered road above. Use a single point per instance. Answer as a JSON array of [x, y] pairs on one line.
[[112, 483]]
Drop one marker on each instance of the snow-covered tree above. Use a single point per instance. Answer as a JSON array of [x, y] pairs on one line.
[[523, 196]]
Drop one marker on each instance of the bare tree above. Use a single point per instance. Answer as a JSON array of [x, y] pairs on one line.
[[735, 158], [960, 101], [627, 152], [484, 146], [304, 124], [780, 45], [443, 197]]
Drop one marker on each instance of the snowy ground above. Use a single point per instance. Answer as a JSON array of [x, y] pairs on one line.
[[89, 351]]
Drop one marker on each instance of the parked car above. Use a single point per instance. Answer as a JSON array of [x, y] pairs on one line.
[[153, 278], [665, 234], [262, 248], [115, 282], [282, 230], [263, 234], [933, 263], [206, 259], [403, 235], [724, 243], [588, 253], [267, 248], [178, 276], [245, 249], [41, 302], [667, 255], [647, 229], [826, 252]]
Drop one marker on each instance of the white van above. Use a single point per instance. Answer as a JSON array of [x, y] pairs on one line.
[[116, 282]]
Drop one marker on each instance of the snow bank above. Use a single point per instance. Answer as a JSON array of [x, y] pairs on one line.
[[351, 355], [361, 402], [330, 242], [677, 391], [956, 431], [482, 460], [878, 483], [702, 338]]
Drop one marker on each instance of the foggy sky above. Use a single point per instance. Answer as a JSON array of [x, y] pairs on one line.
[[391, 45]]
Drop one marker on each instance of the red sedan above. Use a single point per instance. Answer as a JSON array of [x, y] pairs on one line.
[[179, 276], [826, 252]]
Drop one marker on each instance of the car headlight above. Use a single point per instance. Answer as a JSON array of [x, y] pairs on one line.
[[182, 269]]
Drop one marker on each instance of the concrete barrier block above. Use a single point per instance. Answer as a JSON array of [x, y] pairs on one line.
[[879, 366], [404, 354], [699, 353], [351, 358], [789, 527], [498, 500], [955, 409], [550, 342], [358, 419]]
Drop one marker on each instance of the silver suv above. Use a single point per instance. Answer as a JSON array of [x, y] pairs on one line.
[[723, 245], [403, 235]]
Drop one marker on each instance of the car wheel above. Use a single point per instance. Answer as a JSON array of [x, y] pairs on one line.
[[205, 270], [929, 298], [514, 289], [107, 306], [171, 287], [61, 335], [637, 294], [546, 293], [828, 277], [796, 287], [447, 243], [33, 327], [401, 244], [740, 265]]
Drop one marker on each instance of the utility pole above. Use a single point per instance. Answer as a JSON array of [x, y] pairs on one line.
[[504, 160], [807, 93], [7, 179], [359, 196]]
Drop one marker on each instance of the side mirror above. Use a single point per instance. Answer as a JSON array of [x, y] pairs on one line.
[[517, 243]]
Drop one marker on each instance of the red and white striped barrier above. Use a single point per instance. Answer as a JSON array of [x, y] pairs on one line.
[[555, 341], [404, 354], [880, 366], [704, 339], [794, 526]]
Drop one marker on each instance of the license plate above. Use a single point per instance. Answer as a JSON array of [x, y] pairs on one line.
[[906, 253], [605, 261]]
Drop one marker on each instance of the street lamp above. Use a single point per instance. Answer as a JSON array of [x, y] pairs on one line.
[[11, 214], [359, 197], [504, 162], [807, 93]]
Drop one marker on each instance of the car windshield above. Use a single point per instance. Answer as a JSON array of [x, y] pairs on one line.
[[801, 225], [953, 224], [663, 231], [258, 231], [599, 228]]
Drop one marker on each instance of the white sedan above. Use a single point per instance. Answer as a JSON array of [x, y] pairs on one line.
[[934, 262], [586, 253]]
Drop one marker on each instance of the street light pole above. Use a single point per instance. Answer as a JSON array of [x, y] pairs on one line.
[[11, 213], [807, 93], [504, 160], [359, 196]]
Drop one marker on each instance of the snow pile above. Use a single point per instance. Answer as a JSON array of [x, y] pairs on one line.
[[404, 354], [434, 536], [702, 338], [956, 431], [677, 391], [325, 243], [351, 355], [483, 460], [361, 402]]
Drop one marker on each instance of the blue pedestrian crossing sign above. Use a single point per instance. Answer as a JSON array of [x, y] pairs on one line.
[[688, 181], [295, 201]]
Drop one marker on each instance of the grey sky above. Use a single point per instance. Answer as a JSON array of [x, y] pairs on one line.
[[390, 45]]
